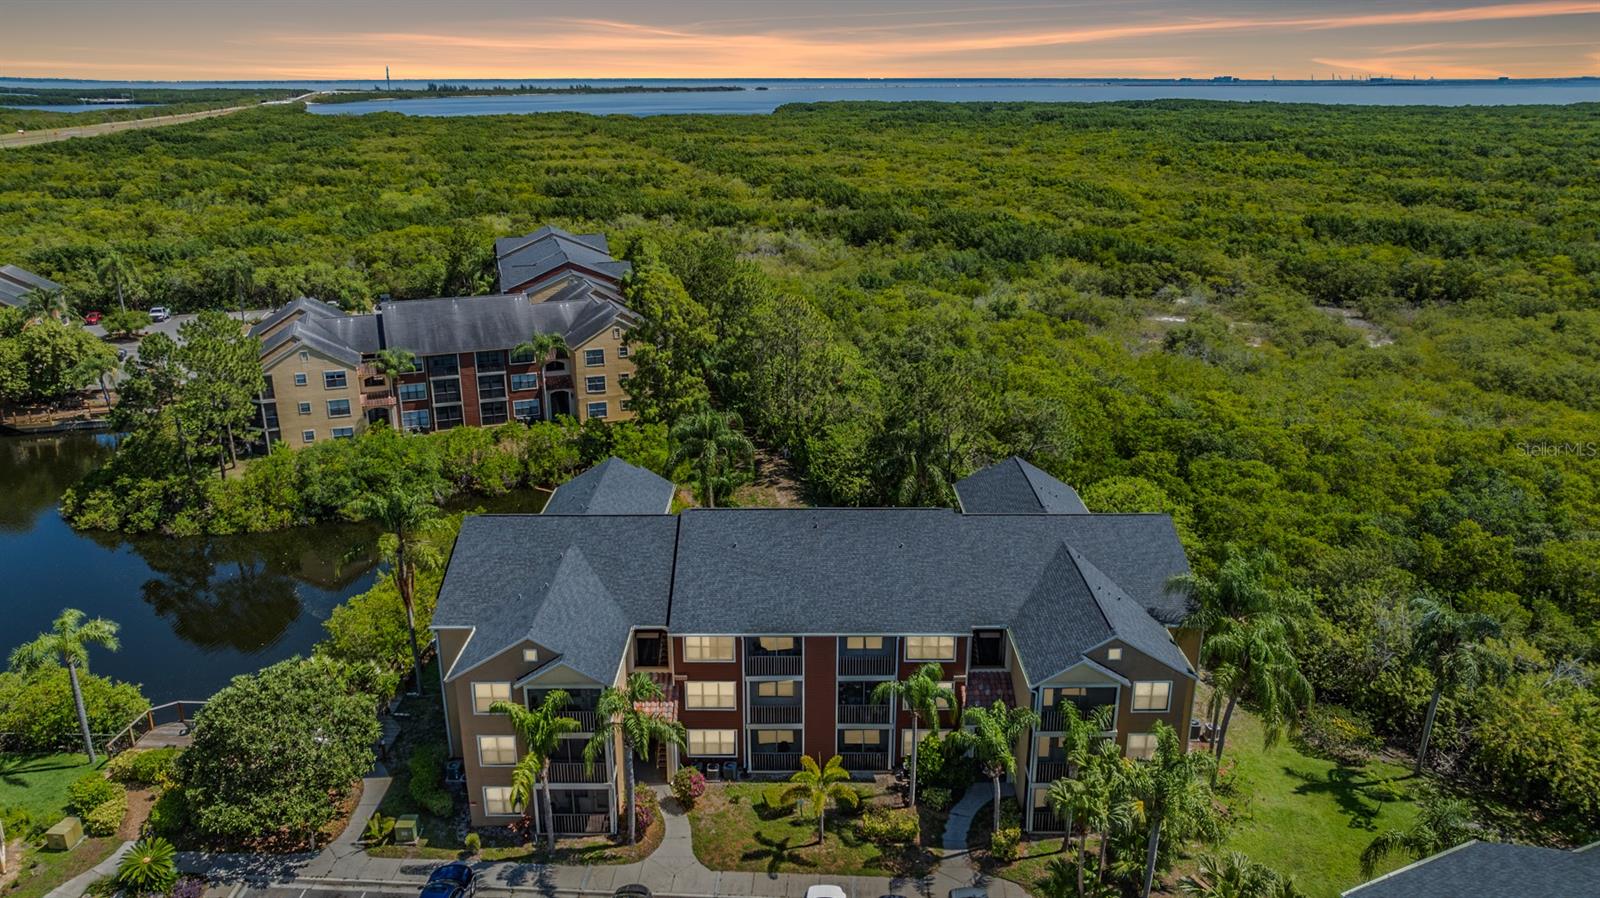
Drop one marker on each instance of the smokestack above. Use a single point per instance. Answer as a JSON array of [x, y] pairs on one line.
[[386, 84]]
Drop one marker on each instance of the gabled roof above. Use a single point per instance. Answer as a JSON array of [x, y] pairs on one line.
[[1492, 870], [525, 260], [475, 323], [304, 307], [16, 283], [612, 487], [574, 585], [1015, 487]]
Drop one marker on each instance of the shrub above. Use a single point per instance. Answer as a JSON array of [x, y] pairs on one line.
[[473, 843], [1339, 734], [646, 808], [889, 826], [1386, 790], [37, 708], [150, 866], [19, 824], [1003, 844], [688, 784], [940, 768], [378, 829], [169, 815], [107, 816], [936, 798], [154, 767], [189, 887], [90, 791], [427, 780]]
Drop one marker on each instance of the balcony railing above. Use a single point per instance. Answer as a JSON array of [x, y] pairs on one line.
[[1050, 720], [775, 761], [863, 713], [773, 665], [1046, 822], [865, 760], [586, 719], [377, 400], [866, 666], [775, 713], [1050, 771], [582, 824], [578, 772]]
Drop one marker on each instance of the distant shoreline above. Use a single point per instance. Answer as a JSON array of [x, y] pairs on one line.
[[600, 85], [458, 91]]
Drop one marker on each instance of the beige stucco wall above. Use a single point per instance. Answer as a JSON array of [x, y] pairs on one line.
[[610, 340], [282, 365]]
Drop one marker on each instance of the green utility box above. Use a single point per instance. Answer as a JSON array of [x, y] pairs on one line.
[[405, 830], [64, 835]]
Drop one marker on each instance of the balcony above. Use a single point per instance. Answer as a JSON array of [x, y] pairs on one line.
[[865, 760], [866, 665], [1046, 822], [775, 713], [775, 761], [377, 400], [774, 665], [863, 714], [1050, 771], [582, 824], [578, 772], [586, 719]]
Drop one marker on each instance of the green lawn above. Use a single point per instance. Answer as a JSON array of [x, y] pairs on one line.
[[735, 830], [40, 871], [1307, 816], [38, 783]]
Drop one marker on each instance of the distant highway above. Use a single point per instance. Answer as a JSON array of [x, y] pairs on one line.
[[51, 135]]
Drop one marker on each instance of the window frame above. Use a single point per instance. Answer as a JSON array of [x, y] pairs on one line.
[[303, 408], [703, 643], [400, 391], [589, 360], [523, 375], [863, 646], [504, 800], [1133, 696], [333, 414], [589, 383], [776, 691], [1145, 754], [601, 414], [701, 732], [477, 700], [341, 374], [497, 736], [1114, 653], [921, 641], [308, 436], [724, 694], [344, 433], [538, 409], [301, 379]]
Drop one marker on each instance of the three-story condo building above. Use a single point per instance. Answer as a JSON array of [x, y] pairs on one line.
[[769, 629]]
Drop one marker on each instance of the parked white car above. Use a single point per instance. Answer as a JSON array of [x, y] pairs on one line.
[[160, 313], [825, 891]]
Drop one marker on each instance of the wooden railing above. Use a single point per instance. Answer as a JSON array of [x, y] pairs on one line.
[[863, 713], [171, 712], [773, 665], [582, 824], [775, 761], [577, 772], [775, 713], [866, 665], [865, 760]]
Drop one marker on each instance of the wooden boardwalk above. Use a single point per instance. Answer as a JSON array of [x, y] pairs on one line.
[[167, 735]]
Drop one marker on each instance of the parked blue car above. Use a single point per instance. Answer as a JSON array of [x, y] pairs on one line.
[[451, 881]]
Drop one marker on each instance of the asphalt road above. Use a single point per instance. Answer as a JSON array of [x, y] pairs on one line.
[[168, 327], [319, 892]]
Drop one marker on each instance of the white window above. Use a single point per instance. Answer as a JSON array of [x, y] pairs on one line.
[[497, 751], [300, 377], [305, 408], [862, 740], [622, 352], [333, 380], [525, 409], [308, 436], [708, 648], [344, 433], [1114, 654], [1151, 695], [413, 392], [595, 383], [338, 408], [930, 648], [705, 743], [530, 656], [597, 409], [529, 381], [616, 333], [708, 694], [486, 694], [775, 688], [593, 357], [497, 801], [1141, 746], [776, 643], [305, 356], [864, 643]]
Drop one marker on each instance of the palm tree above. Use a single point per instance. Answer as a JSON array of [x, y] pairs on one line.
[[541, 347], [1451, 646], [1236, 876], [620, 718], [713, 444], [67, 644], [1078, 792], [541, 730], [993, 740], [1112, 808], [1253, 626], [1057, 883], [38, 305], [392, 363], [920, 694], [816, 786], [404, 512], [1442, 823], [1171, 793], [117, 275]]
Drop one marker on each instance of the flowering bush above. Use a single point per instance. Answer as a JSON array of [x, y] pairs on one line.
[[688, 784], [646, 808], [1003, 844]]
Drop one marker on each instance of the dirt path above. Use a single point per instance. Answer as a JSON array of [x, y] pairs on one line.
[[51, 135]]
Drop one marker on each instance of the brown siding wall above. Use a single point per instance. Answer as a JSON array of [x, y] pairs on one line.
[[469, 389], [1137, 666], [952, 671], [508, 668], [821, 694], [1189, 642], [720, 671]]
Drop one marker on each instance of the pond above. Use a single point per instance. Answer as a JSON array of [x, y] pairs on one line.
[[194, 612]]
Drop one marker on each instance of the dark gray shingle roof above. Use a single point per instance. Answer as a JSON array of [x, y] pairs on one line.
[[474, 323], [522, 260], [1492, 870], [1013, 486], [16, 283], [575, 585], [612, 487]]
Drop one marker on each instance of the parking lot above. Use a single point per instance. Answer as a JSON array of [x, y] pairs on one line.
[[312, 892], [169, 327]]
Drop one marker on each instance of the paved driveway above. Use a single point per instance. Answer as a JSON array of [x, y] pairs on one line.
[[168, 327]]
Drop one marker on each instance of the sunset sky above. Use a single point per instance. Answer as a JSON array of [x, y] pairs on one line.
[[225, 39]]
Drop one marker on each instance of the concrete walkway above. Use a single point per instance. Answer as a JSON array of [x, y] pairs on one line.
[[960, 822], [75, 887], [671, 871]]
